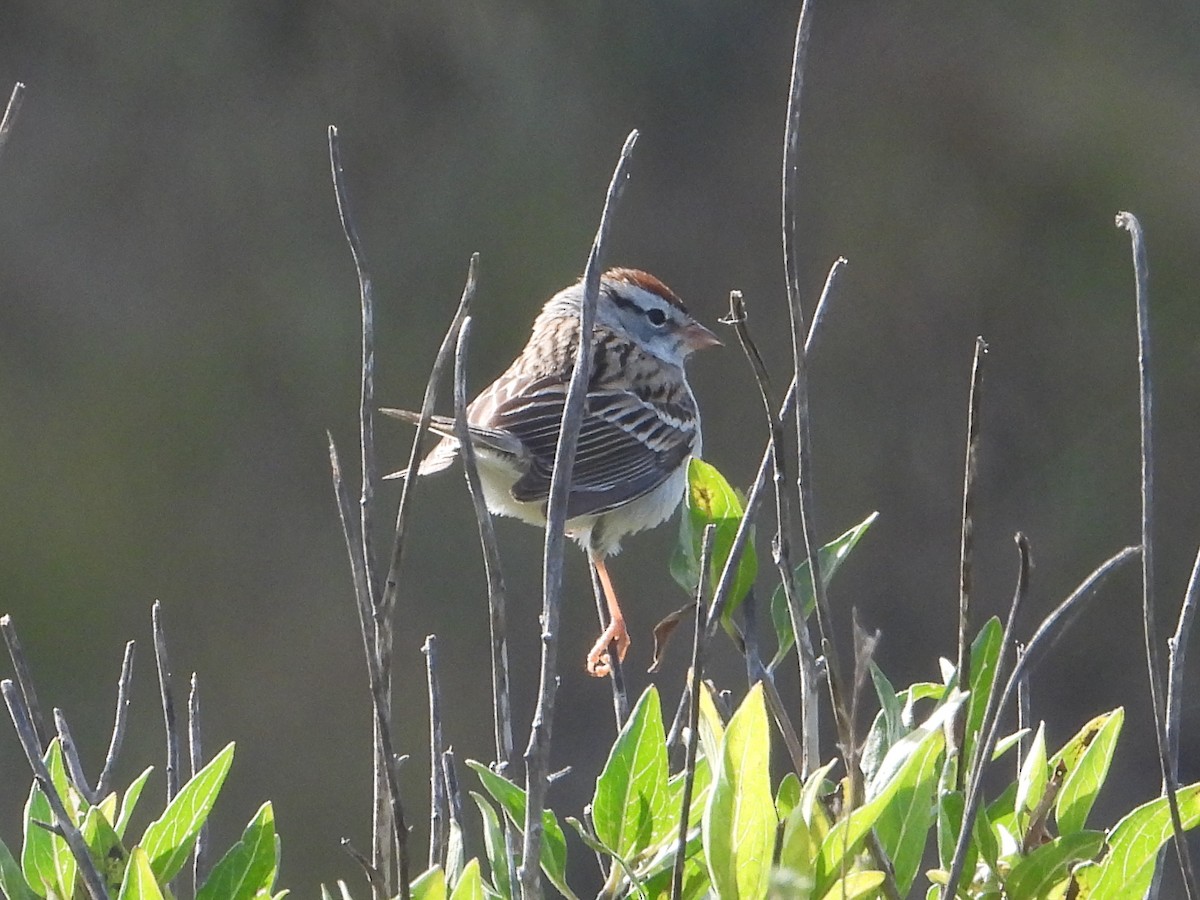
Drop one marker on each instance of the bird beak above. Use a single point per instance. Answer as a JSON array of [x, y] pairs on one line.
[[697, 337]]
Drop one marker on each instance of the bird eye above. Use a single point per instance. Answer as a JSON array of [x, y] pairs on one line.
[[656, 316]]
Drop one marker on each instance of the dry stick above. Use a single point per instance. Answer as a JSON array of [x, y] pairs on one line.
[[725, 582], [374, 876], [382, 720], [447, 772], [1177, 650], [120, 720], [381, 636], [438, 816], [984, 750], [196, 759], [71, 756], [537, 754], [31, 743], [497, 597], [963, 668], [10, 113], [168, 701], [697, 674], [1022, 712], [25, 679], [810, 747], [616, 669], [803, 441], [497, 600], [1130, 223]]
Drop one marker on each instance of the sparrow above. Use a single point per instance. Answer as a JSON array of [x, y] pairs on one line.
[[641, 424]]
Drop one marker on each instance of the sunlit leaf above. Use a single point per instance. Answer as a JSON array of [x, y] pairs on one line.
[[985, 657], [470, 883], [139, 883], [129, 802], [1045, 866], [249, 866], [1086, 770], [429, 885], [739, 821], [829, 560], [630, 800], [493, 840]]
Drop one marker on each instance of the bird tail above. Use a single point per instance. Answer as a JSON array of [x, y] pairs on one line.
[[442, 456]]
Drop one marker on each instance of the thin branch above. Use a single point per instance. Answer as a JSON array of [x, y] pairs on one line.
[[697, 676], [168, 701], [497, 599], [616, 669], [25, 679], [381, 637], [725, 582], [382, 720], [1153, 662], [71, 756], [374, 876], [781, 546], [31, 743], [1041, 637], [963, 667], [120, 721], [537, 754], [454, 805], [10, 113], [1022, 712], [196, 759], [991, 707], [1178, 649], [438, 817]]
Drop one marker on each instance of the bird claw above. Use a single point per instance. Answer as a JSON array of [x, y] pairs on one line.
[[599, 662]]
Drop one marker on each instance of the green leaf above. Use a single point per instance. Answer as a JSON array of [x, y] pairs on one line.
[[902, 767], [1034, 776], [1133, 846], [712, 729], [46, 859], [985, 655], [512, 800], [855, 885], [798, 852], [1087, 769], [700, 787], [739, 820], [169, 839], [829, 559], [470, 883], [139, 883], [711, 500], [249, 866], [594, 844], [493, 842], [787, 796], [630, 803], [12, 879], [129, 802], [903, 825], [107, 852], [1034, 875], [430, 885]]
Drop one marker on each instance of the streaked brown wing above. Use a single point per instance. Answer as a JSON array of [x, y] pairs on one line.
[[626, 447]]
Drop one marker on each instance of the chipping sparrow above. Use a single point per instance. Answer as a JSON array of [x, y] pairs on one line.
[[640, 426]]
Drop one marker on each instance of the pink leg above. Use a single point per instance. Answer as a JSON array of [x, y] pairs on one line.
[[598, 664]]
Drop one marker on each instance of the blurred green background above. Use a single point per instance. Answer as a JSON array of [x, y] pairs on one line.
[[179, 326]]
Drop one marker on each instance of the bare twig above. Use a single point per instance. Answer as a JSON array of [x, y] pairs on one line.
[[1022, 711], [497, 600], [1153, 662], [1178, 650], [71, 756], [963, 667], [438, 818], [381, 633], [696, 682], [781, 546], [196, 759], [537, 755], [454, 805], [725, 582], [168, 701], [31, 743], [10, 113], [984, 750], [120, 720], [616, 669], [25, 679], [382, 719], [374, 876]]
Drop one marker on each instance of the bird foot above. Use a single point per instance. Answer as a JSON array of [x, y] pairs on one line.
[[599, 663]]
